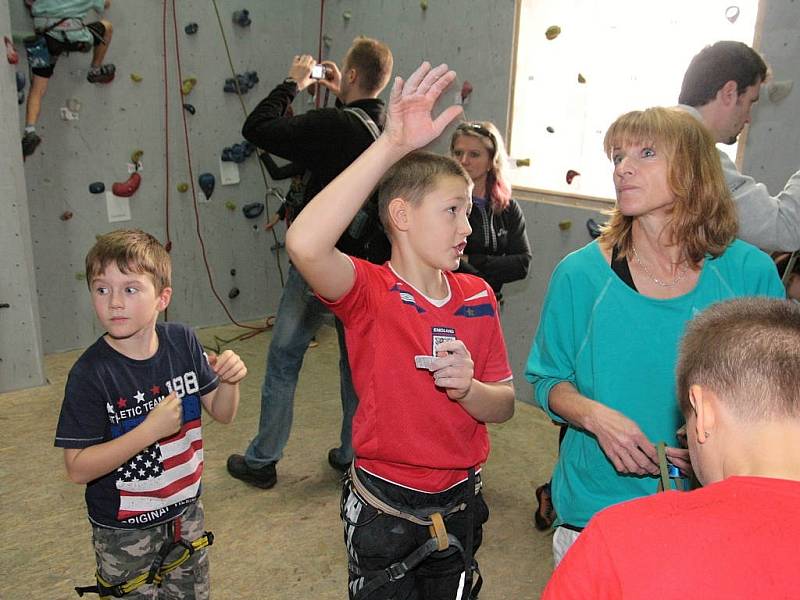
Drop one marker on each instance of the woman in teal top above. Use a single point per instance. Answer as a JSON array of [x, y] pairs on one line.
[[604, 354]]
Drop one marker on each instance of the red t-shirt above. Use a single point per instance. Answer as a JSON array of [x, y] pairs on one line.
[[733, 539], [407, 430]]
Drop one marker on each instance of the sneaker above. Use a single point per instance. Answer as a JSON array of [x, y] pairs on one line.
[[545, 513], [336, 462], [30, 141], [264, 477], [103, 74]]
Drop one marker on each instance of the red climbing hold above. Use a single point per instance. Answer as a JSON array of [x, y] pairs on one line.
[[466, 90], [11, 51], [127, 188], [66, 215], [168, 246], [571, 174]]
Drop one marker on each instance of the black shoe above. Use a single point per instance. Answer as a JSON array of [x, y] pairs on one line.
[[336, 462], [264, 477], [545, 513], [102, 74], [30, 141]]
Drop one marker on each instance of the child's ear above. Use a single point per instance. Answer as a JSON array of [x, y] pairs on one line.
[[398, 212], [163, 298]]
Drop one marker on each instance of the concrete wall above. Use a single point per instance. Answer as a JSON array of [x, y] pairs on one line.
[[20, 338], [474, 37]]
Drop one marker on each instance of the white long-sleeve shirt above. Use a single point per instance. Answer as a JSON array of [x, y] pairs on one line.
[[769, 222]]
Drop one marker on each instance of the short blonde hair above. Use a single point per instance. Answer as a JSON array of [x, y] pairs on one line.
[[373, 61], [747, 351], [703, 219], [414, 176], [132, 250]]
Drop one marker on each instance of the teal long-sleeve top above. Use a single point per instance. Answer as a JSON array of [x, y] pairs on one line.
[[619, 348]]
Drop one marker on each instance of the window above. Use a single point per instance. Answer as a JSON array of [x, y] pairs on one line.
[[628, 54]]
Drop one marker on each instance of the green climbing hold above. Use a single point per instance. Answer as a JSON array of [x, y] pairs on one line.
[[230, 205], [552, 32], [183, 187]]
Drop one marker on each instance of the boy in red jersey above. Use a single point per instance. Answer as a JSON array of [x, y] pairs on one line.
[[427, 353]]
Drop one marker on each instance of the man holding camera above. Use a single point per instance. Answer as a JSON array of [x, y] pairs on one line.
[[325, 141]]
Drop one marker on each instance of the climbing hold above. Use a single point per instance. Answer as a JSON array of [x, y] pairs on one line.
[[732, 13], [190, 29], [188, 85], [11, 52], [238, 153], [233, 272], [347, 15], [581, 78], [66, 215], [327, 40], [253, 210], [136, 156], [136, 77], [242, 17], [127, 188], [168, 246], [183, 187], [80, 276], [778, 90], [21, 81], [571, 174], [466, 90], [564, 225], [552, 32], [423, 4], [523, 162], [594, 228], [230, 205], [189, 108], [550, 129], [206, 181], [245, 80], [233, 293], [98, 187], [74, 105]]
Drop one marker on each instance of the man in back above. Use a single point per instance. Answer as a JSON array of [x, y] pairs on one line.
[[720, 87], [325, 141]]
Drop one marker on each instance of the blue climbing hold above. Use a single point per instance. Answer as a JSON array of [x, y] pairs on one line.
[[98, 187], [20, 81], [238, 153], [245, 80], [206, 181], [242, 18], [190, 29], [253, 210]]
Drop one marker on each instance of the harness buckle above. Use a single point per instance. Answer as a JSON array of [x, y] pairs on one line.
[[396, 571]]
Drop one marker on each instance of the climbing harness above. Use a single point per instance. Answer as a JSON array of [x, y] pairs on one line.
[[155, 575], [440, 540]]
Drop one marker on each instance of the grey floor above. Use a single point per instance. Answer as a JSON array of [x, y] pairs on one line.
[[282, 543]]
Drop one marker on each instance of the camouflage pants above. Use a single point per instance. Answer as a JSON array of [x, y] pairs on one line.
[[124, 554]]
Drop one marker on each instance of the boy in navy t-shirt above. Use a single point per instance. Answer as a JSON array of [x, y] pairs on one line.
[[130, 424]]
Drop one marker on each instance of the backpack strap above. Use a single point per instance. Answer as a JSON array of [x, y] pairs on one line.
[[362, 116]]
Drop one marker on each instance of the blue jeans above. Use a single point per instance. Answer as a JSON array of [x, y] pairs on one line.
[[300, 315]]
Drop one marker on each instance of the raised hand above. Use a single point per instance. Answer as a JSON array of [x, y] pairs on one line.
[[410, 123], [300, 70], [228, 366]]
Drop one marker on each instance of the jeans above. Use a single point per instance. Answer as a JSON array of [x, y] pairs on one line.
[[300, 315]]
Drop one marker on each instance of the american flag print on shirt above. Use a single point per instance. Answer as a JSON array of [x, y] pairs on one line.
[[164, 474]]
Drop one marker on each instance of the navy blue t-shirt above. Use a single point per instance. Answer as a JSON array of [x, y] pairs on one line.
[[107, 395]]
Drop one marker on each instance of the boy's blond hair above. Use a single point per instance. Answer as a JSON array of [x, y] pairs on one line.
[[703, 219], [132, 250], [747, 351], [413, 177]]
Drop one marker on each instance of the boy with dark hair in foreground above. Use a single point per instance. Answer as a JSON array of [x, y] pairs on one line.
[[427, 353], [735, 538], [130, 425]]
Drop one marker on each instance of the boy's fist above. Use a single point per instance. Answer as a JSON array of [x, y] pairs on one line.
[[228, 366], [167, 417]]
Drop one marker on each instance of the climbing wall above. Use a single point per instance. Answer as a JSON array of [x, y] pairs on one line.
[[90, 132]]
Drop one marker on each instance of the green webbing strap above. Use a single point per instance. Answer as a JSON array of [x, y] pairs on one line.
[[663, 482]]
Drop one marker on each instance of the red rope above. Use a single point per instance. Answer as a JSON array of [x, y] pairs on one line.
[[317, 97], [194, 191]]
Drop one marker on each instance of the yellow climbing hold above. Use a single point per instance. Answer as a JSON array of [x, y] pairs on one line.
[[136, 77], [230, 205], [552, 32], [136, 156], [581, 78], [188, 85], [564, 225], [183, 187], [523, 162], [423, 4]]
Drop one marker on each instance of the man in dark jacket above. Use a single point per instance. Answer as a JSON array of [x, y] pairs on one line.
[[325, 141]]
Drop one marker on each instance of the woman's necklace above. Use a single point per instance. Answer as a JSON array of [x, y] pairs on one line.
[[656, 280]]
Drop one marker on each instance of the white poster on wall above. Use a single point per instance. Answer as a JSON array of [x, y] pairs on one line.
[[119, 208]]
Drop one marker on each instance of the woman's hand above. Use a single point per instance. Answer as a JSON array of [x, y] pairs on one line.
[[623, 442], [410, 124]]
